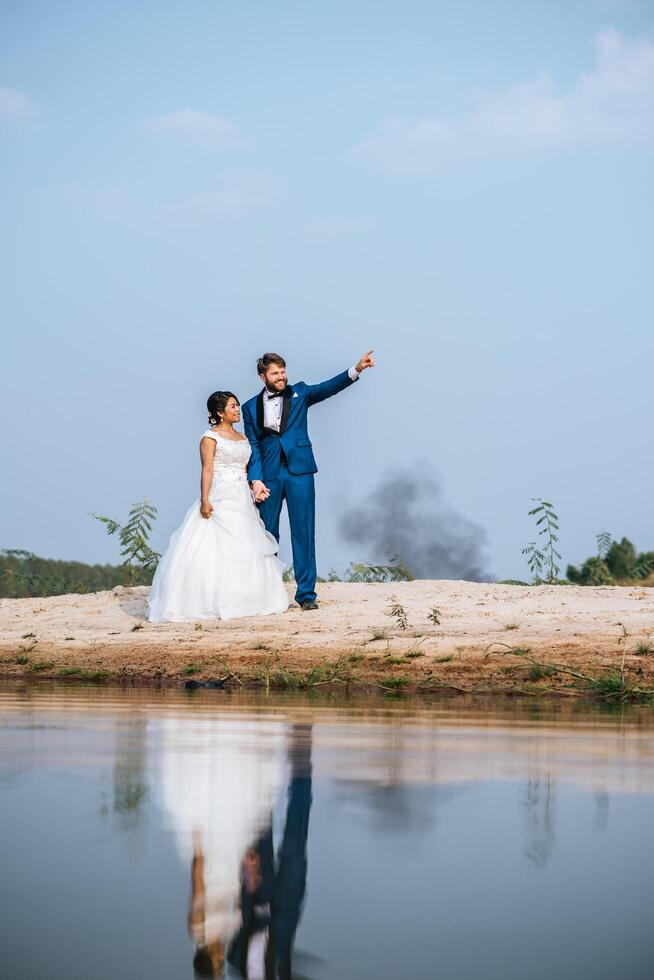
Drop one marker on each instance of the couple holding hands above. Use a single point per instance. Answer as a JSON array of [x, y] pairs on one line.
[[221, 563]]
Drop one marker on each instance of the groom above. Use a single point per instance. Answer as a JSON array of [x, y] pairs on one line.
[[282, 462]]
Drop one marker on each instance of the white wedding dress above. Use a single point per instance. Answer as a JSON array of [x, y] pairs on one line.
[[225, 566]]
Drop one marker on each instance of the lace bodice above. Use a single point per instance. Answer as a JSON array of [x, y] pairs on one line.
[[231, 457]]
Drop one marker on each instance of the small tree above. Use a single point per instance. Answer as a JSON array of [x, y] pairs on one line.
[[535, 560], [134, 538], [604, 542], [546, 556], [396, 610]]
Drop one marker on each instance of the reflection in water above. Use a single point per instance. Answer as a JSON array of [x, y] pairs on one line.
[[272, 891], [496, 809], [601, 820], [219, 782], [130, 789], [242, 895], [206, 933], [539, 803]]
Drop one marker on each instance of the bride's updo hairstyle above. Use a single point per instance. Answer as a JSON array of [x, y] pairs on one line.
[[216, 403]]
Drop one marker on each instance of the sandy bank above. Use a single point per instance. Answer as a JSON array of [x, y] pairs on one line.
[[581, 628]]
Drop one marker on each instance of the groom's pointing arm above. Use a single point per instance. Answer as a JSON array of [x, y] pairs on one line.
[[318, 393]]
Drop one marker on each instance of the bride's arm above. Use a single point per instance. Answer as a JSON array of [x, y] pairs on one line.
[[207, 453]]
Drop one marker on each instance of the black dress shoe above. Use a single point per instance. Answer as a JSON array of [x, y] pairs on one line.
[[308, 604]]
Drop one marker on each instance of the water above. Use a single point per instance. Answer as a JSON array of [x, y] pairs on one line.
[[453, 840]]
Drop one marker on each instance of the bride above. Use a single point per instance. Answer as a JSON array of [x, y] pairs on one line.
[[221, 563]]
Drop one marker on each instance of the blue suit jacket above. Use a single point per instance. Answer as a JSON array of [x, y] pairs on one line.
[[293, 438]]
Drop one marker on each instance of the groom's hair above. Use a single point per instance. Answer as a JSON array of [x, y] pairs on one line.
[[266, 360]]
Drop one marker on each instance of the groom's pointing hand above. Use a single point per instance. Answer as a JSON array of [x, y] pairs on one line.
[[366, 362]]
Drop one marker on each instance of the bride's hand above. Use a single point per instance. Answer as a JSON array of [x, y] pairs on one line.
[[260, 491], [206, 509]]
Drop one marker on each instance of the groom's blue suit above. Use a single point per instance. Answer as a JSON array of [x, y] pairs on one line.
[[284, 461]]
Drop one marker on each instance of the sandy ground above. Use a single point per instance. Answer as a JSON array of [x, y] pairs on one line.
[[351, 637]]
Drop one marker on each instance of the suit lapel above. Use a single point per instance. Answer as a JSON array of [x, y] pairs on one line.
[[286, 408], [260, 411]]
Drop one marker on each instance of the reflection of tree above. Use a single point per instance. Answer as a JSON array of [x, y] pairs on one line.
[[129, 788], [601, 818], [539, 803], [393, 793], [18, 752]]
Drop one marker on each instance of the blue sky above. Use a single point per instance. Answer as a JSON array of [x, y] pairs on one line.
[[466, 187]]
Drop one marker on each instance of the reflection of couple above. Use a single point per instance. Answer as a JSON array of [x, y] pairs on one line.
[[272, 891], [222, 562], [245, 905]]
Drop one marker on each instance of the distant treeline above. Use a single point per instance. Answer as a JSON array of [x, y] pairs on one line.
[[616, 563], [23, 574]]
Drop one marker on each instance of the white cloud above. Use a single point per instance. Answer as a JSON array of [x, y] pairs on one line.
[[235, 195], [337, 227], [398, 143], [620, 6], [190, 122], [612, 103], [92, 195], [17, 105]]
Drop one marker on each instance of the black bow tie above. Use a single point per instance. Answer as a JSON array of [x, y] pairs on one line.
[[278, 394]]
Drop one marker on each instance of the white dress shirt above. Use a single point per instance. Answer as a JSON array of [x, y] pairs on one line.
[[274, 404]]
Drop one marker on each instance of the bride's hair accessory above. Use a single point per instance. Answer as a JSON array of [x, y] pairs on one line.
[[216, 403]]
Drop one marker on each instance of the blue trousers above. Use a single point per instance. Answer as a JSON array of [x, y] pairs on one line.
[[300, 496]]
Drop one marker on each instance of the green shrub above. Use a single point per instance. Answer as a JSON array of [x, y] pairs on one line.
[[616, 562], [134, 535], [396, 682], [621, 559], [594, 571]]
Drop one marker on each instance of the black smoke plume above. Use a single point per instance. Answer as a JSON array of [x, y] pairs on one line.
[[405, 515]]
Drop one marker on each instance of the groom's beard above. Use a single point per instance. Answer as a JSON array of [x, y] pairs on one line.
[[277, 391]]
